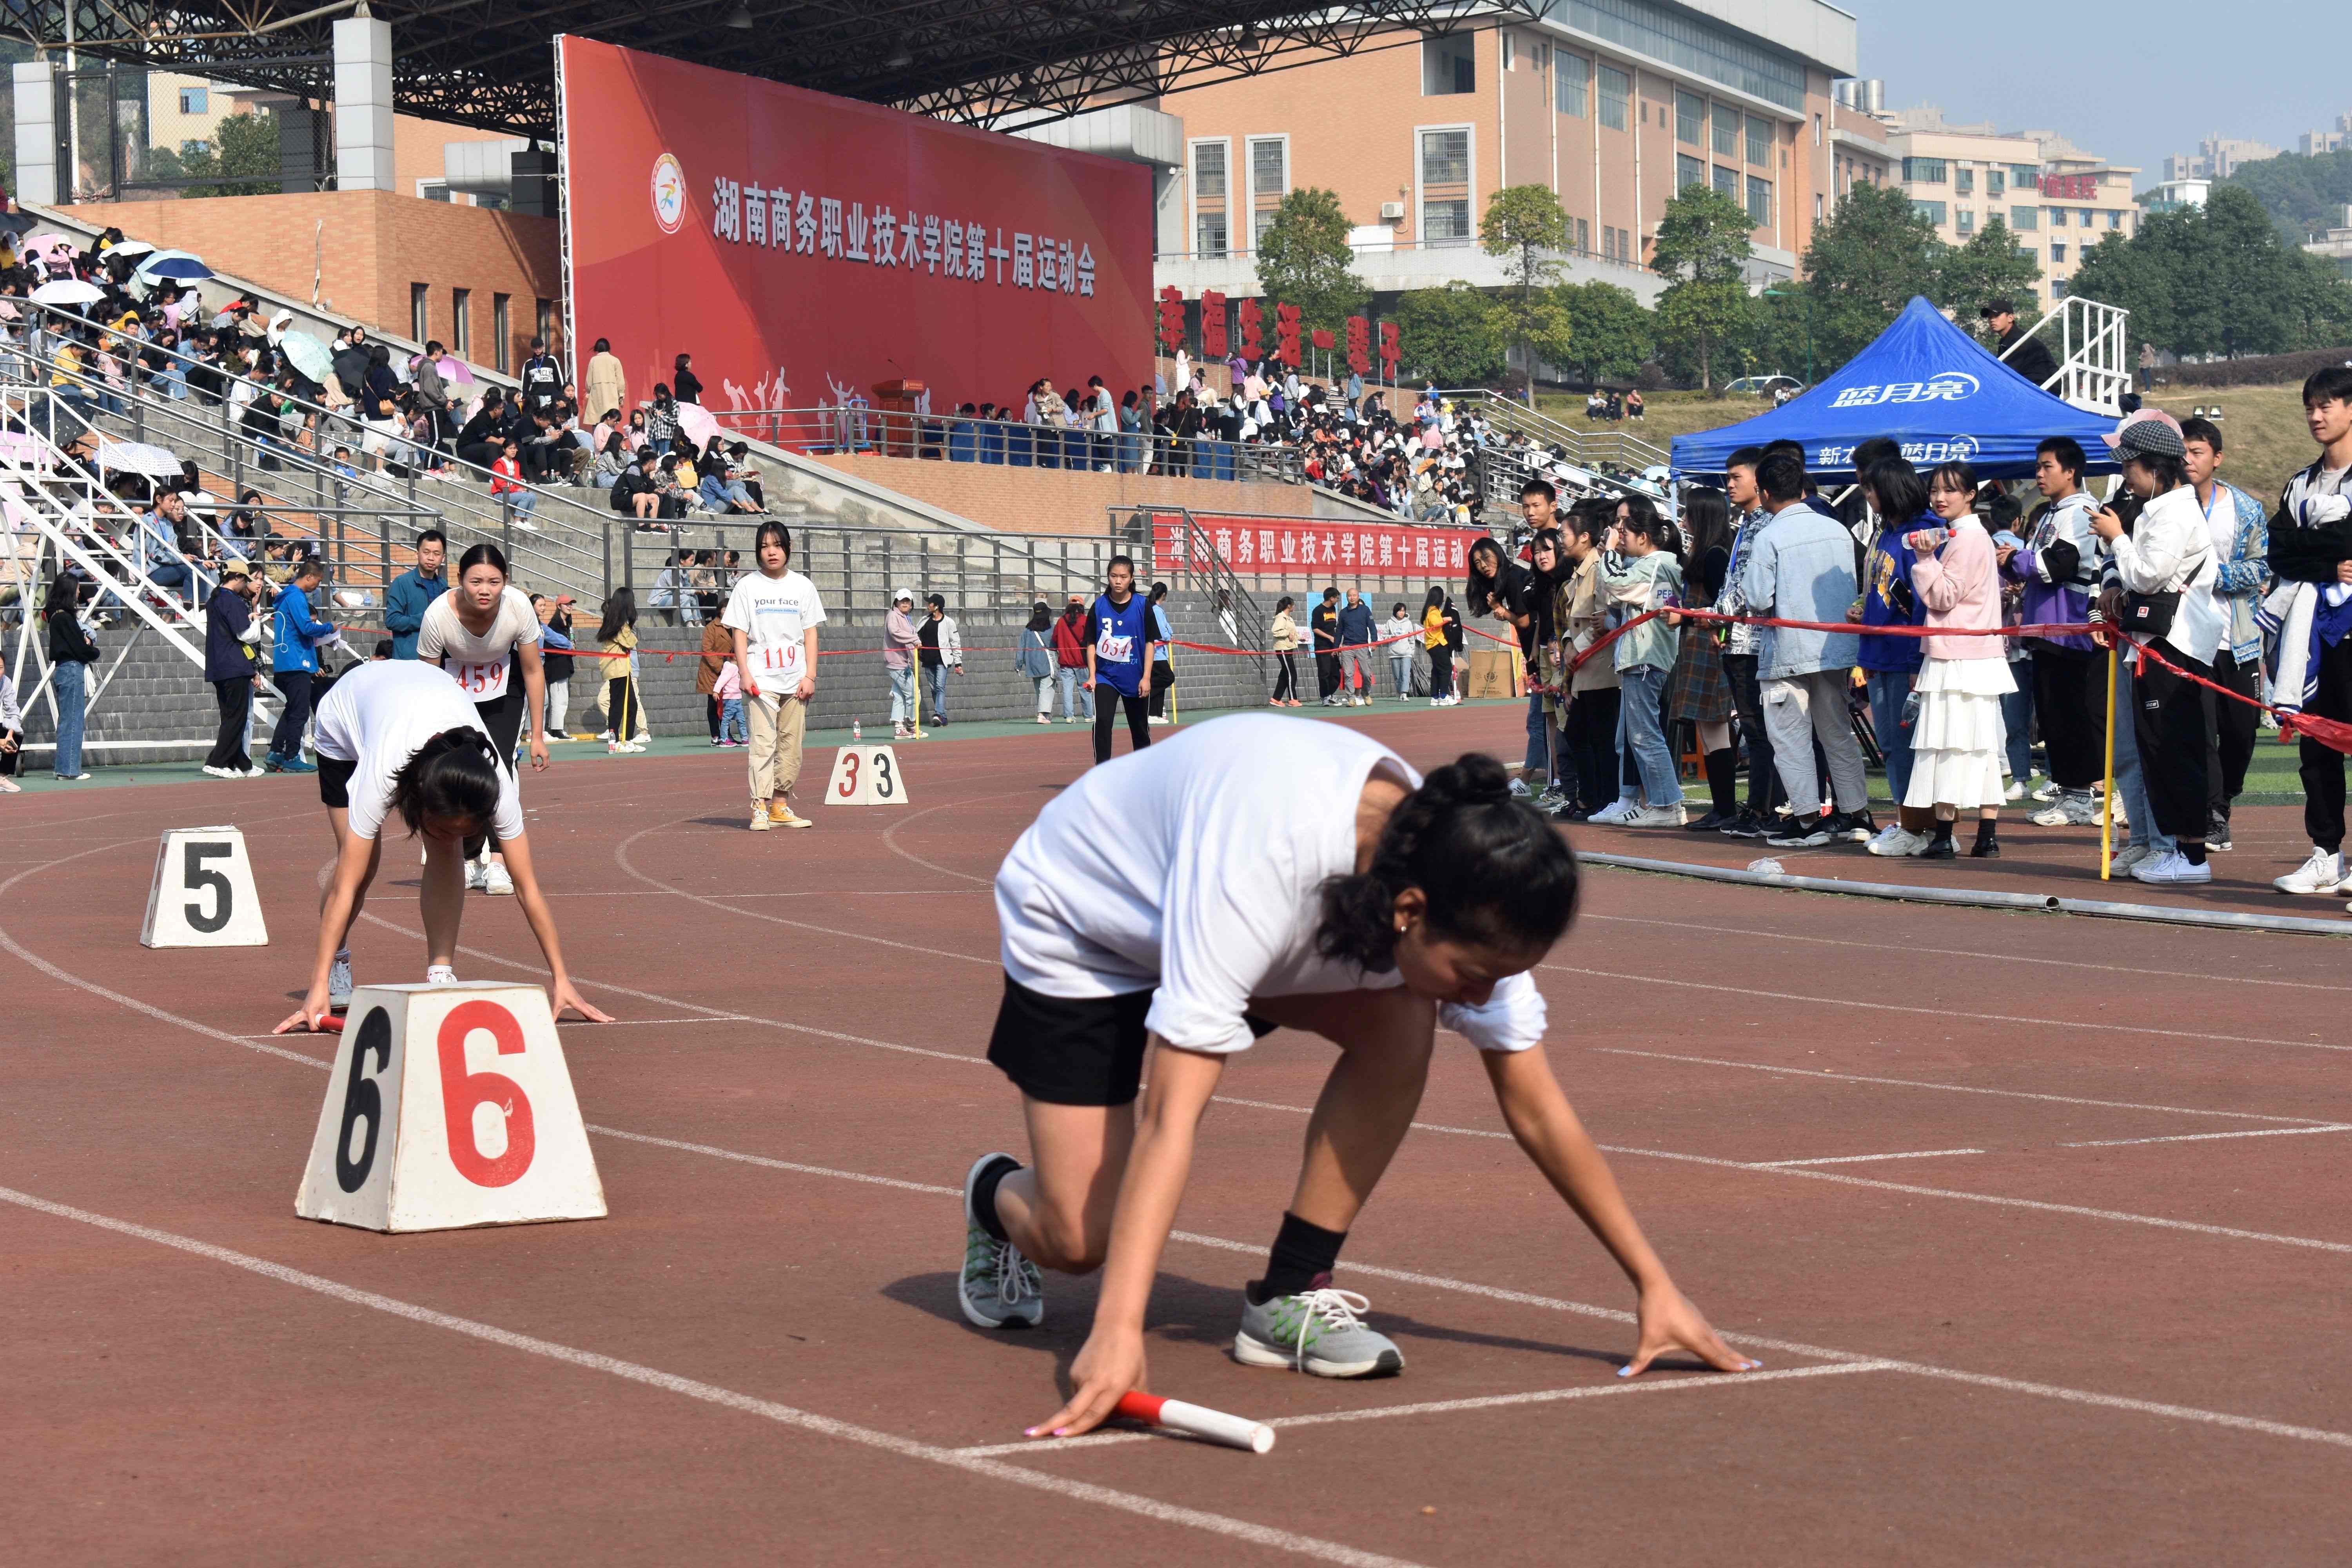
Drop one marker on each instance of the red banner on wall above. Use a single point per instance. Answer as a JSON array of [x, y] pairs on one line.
[[804, 248], [1274, 544]]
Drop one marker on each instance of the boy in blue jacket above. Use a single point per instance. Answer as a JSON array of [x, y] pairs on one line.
[[293, 666]]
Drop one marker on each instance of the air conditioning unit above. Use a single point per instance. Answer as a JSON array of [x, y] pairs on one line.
[[1391, 212]]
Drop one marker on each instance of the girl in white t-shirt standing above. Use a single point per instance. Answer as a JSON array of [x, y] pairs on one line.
[[1260, 871], [774, 615], [396, 738], [486, 635]]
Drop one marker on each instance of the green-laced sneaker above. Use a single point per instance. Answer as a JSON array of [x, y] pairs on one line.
[[1317, 1332], [998, 1288]]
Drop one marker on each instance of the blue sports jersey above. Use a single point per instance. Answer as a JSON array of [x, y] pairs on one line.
[[1119, 637]]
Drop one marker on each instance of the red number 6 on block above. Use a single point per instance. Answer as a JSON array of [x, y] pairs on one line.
[[461, 1092]]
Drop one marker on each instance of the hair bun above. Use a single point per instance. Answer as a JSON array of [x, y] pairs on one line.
[[1471, 779]]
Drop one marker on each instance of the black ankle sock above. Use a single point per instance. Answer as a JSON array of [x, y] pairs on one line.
[[1986, 831], [1301, 1253], [2195, 853], [1943, 831], [1723, 781], [983, 1195]]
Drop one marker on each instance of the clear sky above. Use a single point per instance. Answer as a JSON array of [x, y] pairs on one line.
[[2130, 80]]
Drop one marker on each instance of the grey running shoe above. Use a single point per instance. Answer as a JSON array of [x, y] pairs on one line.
[[998, 1288], [339, 983], [1317, 1332]]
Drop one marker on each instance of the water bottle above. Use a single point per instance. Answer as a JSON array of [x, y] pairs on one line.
[[856, 731]]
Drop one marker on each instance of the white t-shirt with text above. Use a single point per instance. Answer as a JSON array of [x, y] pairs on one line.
[[774, 614]]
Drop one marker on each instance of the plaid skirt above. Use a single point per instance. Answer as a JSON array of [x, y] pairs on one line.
[[1697, 690]]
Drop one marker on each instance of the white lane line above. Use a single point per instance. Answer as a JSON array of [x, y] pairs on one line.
[[1858, 1159], [2266, 982], [761, 1160], [1959, 1087], [726, 1398], [2209, 1136], [890, 836], [1751, 994], [615, 1024], [1449, 1407]]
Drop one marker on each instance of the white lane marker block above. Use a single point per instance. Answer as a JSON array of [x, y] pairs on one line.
[[203, 895], [866, 775], [449, 1106]]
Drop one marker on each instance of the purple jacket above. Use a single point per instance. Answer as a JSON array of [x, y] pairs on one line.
[[2059, 568]]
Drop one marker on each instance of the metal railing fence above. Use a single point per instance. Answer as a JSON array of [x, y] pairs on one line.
[[1012, 443]]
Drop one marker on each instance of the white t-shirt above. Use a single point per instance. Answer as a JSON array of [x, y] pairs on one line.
[[379, 716], [773, 614], [1196, 866], [478, 664]]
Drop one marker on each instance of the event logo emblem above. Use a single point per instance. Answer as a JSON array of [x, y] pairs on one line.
[[1944, 386], [669, 194]]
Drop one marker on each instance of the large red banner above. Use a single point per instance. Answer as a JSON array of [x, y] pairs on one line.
[[804, 248], [1269, 545]]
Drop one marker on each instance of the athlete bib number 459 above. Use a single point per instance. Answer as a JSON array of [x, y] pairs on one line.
[[482, 682]]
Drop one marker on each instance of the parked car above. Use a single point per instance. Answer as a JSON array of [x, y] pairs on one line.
[[1766, 385]]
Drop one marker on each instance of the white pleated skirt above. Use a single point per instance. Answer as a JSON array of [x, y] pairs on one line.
[[1957, 745]]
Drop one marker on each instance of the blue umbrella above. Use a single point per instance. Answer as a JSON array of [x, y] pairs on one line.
[[179, 268]]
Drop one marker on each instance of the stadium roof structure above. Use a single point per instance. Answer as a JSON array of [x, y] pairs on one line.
[[997, 63]]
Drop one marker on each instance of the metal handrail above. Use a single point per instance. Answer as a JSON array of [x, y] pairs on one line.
[[966, 437]]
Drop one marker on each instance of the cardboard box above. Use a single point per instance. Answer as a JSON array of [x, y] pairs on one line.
[[1495, 672]]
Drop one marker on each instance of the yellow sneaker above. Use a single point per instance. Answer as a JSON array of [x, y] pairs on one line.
[[782, 816]]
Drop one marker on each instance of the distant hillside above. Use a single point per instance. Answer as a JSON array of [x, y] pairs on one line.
[[2301, 194]]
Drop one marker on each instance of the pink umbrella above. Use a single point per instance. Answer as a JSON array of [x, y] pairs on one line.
[[454, 369], [696, 424], [44, 244]]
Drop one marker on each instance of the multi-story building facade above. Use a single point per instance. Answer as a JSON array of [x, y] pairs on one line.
[[1613, 104], [2056, 200], [2316, 144], [2218, 158]]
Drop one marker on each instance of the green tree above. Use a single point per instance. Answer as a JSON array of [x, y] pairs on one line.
[[1304, 260], [1989, 266], [1701, 249], [2301, 194], [1453, 335], [2132, 277], [1610, 334], [1866, 261], [2218, 279], [1526, 227], [242, 144]]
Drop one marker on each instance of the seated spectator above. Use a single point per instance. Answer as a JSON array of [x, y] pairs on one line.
[[507, 488]]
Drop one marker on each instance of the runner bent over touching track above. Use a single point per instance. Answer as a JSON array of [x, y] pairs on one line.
[[485, 635], [400, 737], [1258, 873]]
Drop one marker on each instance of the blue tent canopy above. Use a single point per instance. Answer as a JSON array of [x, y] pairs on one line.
[[1925, 384]]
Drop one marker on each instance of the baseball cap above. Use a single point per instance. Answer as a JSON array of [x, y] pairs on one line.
[[2149, 432], [1998, 308], [902, 597]]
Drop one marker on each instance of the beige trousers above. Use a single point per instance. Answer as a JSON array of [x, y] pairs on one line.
[[778, 725]]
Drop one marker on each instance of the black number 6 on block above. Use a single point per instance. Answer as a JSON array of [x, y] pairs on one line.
[[362, 1099]]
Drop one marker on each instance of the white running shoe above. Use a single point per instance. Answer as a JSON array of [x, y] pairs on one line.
[[495, 880], [477, 875], [2322, 874], [1656, 817], [2129, 856], [211, 772], [1897, 842], [2016, 791], [2071, 809], [339, 983], [440, 974], [1520, 789], [1616, 814], [2171, 867]]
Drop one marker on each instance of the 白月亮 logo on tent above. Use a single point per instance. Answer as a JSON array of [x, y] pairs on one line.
[[1944, 386], [669, 194]]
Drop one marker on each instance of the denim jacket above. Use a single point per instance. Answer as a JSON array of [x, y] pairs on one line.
[[1801, 569], [2245, 577]]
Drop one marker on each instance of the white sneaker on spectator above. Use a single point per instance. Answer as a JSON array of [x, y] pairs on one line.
[[1616, 814], [2171, 867], [1897, 842], [2069, 810], [211, 772], [2129, 856], [2016, 791], [2323, 873], [10, 786], [1656, 817], [1520, 789], [2047, 790]]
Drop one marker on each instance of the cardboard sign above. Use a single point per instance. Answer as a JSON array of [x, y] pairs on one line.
[[449, 1106], [1495, 672], [866, 775], [203, 895]]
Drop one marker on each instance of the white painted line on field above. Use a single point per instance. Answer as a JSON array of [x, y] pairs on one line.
[[761, 1160], [1859, 1159], [711, 1393], [1957, 1087], [2209, 1136], [1451, 1407]]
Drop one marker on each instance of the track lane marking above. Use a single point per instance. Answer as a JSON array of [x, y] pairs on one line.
[[1858, 1159], [2209, 1136]]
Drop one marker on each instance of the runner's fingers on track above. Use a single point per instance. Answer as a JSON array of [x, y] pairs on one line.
[[314, 1007], [567, 996], [1669, 1323], [1104, 1371]]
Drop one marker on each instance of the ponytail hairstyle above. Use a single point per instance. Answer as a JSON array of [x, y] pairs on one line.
[[1492, 868], [1641, 517], [454, 774]]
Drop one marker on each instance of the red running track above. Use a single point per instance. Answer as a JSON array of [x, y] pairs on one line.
[[2035, 1221]]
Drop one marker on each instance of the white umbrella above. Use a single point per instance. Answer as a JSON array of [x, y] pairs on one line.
[[139, 457], [68, 291], [130, 248]]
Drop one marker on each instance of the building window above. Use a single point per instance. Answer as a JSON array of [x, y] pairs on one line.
[[1448, 66], [195, 100], [1727, 131], [2057, 218], [501, 330], [1209, 234], [543, 317], [2115, 218], [1932, 211], [1688, 172], [1208, 169], [1967, 220], [2025, 220], [2058, 251], [1996, 182], [1727, 183], [1817, 207], [1269, 169], [1964, 180], [1616, 92], [1690, 119], [1817, 130], [1923, 170], [1568, 87], [432, 190], [1760, 142], [461, 326], [1759, 202], [1583, 235], [2057, 289], [1510, 53], [1445, 187], [420, 311]]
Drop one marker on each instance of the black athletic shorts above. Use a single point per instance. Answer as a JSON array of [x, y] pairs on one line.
[[1083, 1050], [335, 782]]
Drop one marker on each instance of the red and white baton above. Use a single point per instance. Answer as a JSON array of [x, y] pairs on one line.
[[1196, 1421]]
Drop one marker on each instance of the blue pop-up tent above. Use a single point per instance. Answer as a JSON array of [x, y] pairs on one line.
[[1925, 384]]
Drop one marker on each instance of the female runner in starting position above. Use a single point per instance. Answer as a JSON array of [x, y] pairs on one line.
[[400, 737], [484, 634], [1258, 872]]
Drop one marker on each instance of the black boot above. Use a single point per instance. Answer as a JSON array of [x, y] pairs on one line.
[[1723, 784]]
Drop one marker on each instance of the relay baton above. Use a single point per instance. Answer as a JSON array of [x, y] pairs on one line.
[[1194, 1421], [332, 1023]]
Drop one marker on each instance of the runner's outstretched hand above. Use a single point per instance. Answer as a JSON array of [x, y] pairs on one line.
[[1109, 1365], [566, 996], [1669, 1323]]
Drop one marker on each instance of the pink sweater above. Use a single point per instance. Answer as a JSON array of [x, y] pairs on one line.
[[1960, 587]]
